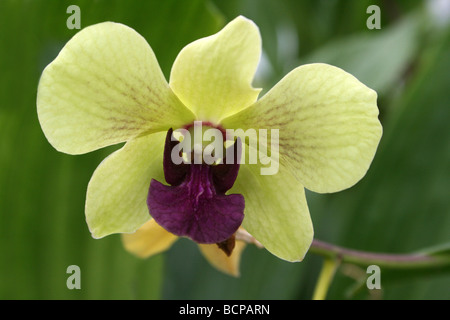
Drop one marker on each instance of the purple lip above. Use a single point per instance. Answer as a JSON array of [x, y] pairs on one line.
[[195, 204]]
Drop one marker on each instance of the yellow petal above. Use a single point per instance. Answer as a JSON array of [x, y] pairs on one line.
[[328, 125], [148, 240], [105, 87], [212, 76], [276, 212], [117, 192], [218, 259]]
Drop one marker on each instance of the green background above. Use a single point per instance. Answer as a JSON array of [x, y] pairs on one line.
[[402, 205]]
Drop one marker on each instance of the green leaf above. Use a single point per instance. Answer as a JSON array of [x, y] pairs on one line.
[[378, 58]]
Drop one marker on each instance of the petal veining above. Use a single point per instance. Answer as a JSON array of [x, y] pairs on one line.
[[105, 87], [328, 125]]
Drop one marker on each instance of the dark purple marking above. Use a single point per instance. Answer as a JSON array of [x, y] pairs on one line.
[[195, 204]]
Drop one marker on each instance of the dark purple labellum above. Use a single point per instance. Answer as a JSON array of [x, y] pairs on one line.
[[195, 204]]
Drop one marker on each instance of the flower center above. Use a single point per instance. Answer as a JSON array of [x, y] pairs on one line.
[[195, 204], [207, 124]]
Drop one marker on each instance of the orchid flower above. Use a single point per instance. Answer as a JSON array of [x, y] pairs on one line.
[[105, 87]]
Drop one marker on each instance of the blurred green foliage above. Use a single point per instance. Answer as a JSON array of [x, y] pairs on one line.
[[402, 205]]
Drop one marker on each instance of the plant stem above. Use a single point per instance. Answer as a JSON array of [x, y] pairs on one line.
[[364, 258], [326, 276]]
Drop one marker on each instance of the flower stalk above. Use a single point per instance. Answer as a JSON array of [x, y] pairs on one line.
[[334, 256], [365, 258], [386, 260], [325, 278]]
